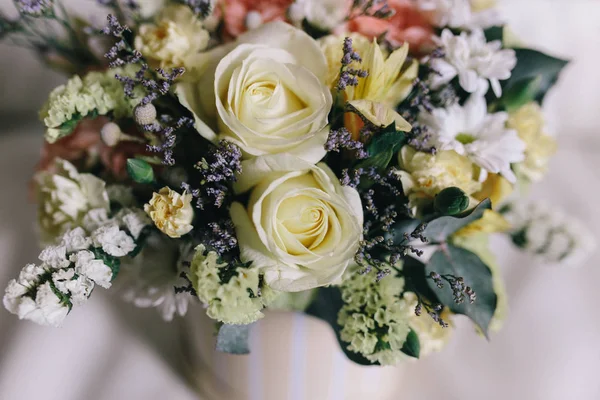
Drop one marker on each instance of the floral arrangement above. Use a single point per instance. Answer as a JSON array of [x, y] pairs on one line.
[[347, 159]]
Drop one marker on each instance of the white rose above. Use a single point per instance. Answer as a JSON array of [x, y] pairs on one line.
[[301, 227], [269, 94]]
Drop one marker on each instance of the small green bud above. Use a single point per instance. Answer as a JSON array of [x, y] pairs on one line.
[[451, 201]]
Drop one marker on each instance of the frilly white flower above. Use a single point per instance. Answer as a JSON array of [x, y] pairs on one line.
[[87, 265], [150, 279], [374, 313], [237, 300], [134, 219], [322, 14], [301, 227], [549, 235], [470, 57], [175, 39], [54, 257], [459, 14], [113, 240], [171, 212], [76, 239], [65, 197], [470, 130], [96, 92]]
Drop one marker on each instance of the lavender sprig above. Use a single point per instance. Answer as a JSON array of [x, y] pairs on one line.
[[341, 139]]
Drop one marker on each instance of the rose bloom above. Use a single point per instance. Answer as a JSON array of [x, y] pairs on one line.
[[171, 212], [301, 227], [84, 148], [270, 94], [235, 13], [408, 24]]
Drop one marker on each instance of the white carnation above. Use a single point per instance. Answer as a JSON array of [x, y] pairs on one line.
[[113, 241]]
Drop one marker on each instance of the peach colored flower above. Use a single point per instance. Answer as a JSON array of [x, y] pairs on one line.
[[408, 24], [84, 148], [235, 13]]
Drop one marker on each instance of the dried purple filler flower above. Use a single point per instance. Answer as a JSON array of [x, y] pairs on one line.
[[341, 139], [35, 8]]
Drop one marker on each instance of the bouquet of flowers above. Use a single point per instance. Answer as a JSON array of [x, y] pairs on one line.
[[347, 159]]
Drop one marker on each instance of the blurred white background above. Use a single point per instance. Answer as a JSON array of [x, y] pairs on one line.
[[549, 348]]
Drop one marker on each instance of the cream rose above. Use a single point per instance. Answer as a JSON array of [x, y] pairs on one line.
[[269, 94], [301, 227]]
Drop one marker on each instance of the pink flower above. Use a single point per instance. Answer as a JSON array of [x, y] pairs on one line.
[[235, 13], [84, 149], [408, 24]]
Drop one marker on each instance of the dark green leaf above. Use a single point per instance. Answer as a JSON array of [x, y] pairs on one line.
[[140, 171], [389, 139], [521, 93], [397, 231], [412, 346], [416, 279], [452, 260], [233, 339], [438, 230], [326, 306], [451, 201], [494, 33], [532, 64]]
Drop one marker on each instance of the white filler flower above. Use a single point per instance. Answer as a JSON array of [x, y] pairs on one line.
[[459, 14], [470, 130], [473, 60]]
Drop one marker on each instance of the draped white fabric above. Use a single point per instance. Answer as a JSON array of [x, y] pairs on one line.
[[549, 348]]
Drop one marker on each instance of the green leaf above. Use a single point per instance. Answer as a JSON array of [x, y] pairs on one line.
[[389, 139], [140, 171], [456, 261], [532, 64], [233, 339], [326, 306], [494, 33], [521, 93], [412, 346], [397, 231], [451, 201], [438, 230]]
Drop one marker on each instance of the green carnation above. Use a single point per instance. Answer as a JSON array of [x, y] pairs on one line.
[[233, 294], [98, 93], [375, 317]]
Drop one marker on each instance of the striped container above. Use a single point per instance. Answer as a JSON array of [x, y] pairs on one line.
[[294, 357]]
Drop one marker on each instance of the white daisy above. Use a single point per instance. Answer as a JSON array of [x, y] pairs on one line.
[[473, 60], [150, 279], [470, 130]]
